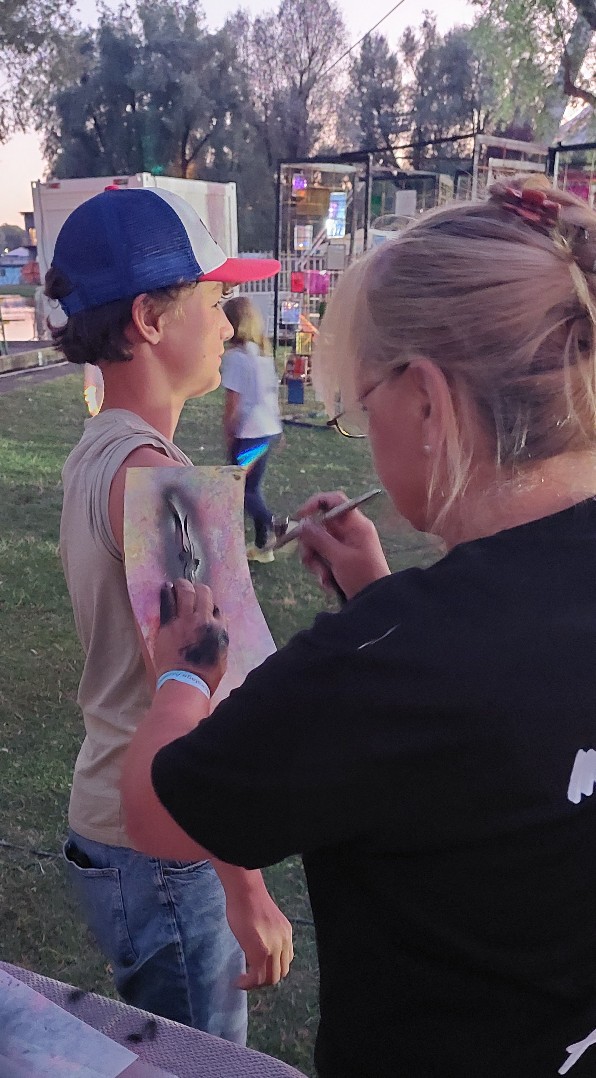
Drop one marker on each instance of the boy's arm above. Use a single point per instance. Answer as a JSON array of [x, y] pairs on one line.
[[144, 457], [147, 456], [261, 929]]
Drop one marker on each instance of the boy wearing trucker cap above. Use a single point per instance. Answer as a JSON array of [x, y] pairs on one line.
[[140, 280]]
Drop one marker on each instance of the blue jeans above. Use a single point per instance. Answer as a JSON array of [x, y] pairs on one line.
[[254, 502], [163, 927]]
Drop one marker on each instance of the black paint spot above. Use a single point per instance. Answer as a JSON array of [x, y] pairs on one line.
[[76, 995], [148, 1032], [208, 648]]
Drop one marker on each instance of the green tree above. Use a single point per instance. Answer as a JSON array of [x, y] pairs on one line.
[[32, 35], [450, 91], [376, 100], [11, 236], [288, 103], [152, 90], [294, 95], [152, 87], [544, 53], [25, 24]]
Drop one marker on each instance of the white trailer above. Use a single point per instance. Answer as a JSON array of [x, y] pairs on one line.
[[54, 200]]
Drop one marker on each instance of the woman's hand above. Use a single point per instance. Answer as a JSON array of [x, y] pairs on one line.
[[346, 550], [192, 635]]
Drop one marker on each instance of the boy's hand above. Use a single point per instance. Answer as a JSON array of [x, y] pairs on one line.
[[192, 634], [262, 930]]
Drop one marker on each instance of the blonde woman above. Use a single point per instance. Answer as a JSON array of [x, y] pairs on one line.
[[251, 411], [430, 749]]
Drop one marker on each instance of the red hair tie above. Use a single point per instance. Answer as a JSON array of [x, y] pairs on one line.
[[532, 205]]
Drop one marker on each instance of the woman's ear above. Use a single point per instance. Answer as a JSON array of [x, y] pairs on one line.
[[433, 401], [146, 322]]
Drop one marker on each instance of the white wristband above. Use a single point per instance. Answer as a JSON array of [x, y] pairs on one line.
[[186, 678]]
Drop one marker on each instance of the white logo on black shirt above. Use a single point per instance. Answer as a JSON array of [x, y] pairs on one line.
[[377, 639], [577, 1050], [583, 776]]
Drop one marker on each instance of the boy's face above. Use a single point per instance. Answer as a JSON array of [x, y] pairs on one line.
[[193, 340]]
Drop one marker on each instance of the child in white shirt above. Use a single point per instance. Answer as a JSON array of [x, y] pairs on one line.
[[251, 412]]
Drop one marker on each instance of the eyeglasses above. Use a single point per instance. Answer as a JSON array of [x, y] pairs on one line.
[[353, 423]]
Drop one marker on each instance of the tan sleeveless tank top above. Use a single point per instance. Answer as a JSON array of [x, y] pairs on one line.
[[114, 692]]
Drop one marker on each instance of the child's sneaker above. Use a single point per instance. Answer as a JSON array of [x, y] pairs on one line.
[[257, 553]]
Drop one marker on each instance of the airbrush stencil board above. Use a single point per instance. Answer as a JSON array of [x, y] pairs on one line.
[[190, 522]]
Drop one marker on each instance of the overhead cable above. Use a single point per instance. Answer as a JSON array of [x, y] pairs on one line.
[[361, 39]]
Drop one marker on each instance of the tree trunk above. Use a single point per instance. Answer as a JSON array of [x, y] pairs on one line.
[[557, 97], [417, 151]]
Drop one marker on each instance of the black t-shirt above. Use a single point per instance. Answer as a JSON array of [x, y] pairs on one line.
[[431, 751]]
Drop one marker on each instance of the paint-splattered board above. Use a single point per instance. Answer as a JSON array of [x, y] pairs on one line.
[[193, 519]]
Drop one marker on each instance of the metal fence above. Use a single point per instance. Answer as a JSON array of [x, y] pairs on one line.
[[261, 292]]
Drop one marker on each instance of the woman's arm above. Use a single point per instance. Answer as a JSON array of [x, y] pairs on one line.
[[195, 640], [175, 711]]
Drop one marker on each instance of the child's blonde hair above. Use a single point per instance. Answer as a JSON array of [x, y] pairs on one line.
[[247, 323], [504, 303]]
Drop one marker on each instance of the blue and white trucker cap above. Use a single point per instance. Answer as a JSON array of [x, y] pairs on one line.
[[121, 243]]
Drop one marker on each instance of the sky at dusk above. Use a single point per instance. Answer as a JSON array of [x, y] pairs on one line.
[[20, 157]]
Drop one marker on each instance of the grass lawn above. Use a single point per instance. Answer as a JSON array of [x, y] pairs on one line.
[[40, 663]]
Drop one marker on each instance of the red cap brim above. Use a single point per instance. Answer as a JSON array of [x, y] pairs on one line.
[[239, 270]]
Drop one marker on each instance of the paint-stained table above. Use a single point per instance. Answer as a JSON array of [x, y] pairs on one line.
[[159, 1043]]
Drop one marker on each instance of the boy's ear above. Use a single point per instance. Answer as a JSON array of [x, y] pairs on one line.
[[145, 320]]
